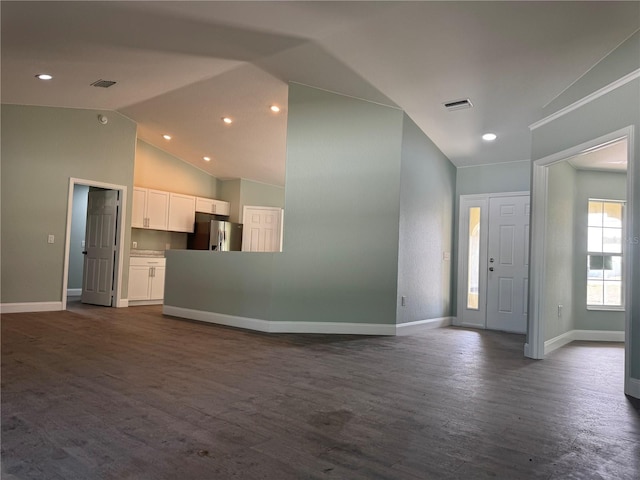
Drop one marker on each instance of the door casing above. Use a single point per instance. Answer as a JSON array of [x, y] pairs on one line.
[[119, 261]]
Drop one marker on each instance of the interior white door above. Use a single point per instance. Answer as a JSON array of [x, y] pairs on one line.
[[508, 266], [100, 239], [261, 229]]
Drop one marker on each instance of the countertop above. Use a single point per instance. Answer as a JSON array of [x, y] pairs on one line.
[[147, 253]]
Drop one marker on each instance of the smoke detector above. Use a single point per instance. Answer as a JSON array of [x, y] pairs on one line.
[[458, 104], [103, 83]]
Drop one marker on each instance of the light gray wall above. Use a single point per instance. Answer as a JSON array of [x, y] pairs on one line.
[[560, 251], [42, 147], [340, 259], [427, 199], [603, 185], [78, 230], [610, 112]]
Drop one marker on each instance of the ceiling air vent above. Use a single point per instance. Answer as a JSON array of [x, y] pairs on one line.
[[103, 83], [458, 104]]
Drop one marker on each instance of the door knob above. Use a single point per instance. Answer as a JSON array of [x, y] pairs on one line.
[[491, 269], [491, 260], [85, 252]]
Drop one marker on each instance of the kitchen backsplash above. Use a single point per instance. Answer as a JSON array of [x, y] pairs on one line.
[[157, 239]]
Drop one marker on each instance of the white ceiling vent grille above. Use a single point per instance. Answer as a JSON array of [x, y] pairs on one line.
[[103, 83], [458, 104]]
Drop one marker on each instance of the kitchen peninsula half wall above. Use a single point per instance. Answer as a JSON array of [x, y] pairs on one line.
[[369, 213]]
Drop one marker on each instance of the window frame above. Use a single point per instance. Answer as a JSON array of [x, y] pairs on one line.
[[622, 255]]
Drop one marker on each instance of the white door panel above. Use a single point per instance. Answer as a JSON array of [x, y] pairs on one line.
[[508, 248], [100, 236], [261, 229]]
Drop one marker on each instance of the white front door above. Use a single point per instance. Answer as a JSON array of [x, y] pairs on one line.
[[261, 229], [100, 238], [493, 261], [508, 265]]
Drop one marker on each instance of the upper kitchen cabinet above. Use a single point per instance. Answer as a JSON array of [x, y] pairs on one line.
[[150, 209], [182, 210], [209, 205]]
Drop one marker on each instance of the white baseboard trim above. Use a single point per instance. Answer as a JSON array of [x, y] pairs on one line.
[[584, 335], [30, 307], [410, 328], [632, 387], [133, 303], [280, 327], [74, 292], [123, 302]]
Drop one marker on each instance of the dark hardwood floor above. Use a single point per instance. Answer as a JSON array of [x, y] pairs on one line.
[[100, 393]]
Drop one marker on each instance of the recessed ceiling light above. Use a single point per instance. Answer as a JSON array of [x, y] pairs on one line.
[[166, 137], [489, 137], [227, 120], [274, 108], [206, 159], [44, 76]]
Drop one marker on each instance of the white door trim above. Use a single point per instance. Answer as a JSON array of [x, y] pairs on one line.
[[534, 348], [466, 201], [119, 265]]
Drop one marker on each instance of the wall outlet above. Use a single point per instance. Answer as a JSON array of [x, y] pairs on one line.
[[134, 244], [446, 256], [559, 311], [403, 301], [167, 246], [51, 239]]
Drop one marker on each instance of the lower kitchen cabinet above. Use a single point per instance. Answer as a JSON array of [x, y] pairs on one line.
[[146, 280]]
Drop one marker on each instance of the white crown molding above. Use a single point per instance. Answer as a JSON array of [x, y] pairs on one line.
[[589, 98], [30, 307]]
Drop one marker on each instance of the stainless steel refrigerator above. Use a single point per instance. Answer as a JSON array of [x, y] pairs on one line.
[[214, 233]]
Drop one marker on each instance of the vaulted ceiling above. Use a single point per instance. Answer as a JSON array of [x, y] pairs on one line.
[[182, 66]]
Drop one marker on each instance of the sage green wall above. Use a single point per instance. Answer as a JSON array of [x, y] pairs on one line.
[[617, 109], [260, 195], [78, 231], [155, 168], [42, 147], [240, 192], [230, 192], [427, 197], [340, 259], [494, 178], [560, 252], [603, 185]]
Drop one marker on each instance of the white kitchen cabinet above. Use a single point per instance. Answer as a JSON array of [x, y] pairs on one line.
[[150, 209], [182, 212], [146, 280], [210, 205]]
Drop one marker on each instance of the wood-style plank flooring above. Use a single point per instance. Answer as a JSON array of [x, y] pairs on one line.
[[100, 393]]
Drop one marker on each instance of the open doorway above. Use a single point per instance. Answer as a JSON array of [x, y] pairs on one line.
[[94, 243], [594, 209]]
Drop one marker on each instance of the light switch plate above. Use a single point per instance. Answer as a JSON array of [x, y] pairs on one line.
[[51, 239]]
